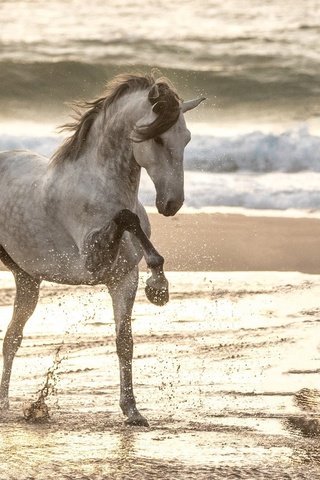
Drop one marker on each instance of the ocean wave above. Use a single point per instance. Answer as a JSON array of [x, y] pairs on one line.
[[291, 151], [43, 145], [48, 83], [39, 88], [274, 191], [217, 170]]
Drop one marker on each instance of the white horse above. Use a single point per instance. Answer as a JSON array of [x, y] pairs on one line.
[[76, 219]]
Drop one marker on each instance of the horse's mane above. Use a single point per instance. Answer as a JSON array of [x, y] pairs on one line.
[[162, 95]]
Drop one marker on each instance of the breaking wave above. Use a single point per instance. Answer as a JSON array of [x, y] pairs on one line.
[[255, 170], [291, 151]]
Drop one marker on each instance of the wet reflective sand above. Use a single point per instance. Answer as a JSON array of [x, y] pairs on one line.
[[227, 375]]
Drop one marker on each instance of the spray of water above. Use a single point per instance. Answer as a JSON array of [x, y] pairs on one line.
[[38, 411]]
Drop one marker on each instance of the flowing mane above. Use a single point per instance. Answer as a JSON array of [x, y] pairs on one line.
[[162, 95]]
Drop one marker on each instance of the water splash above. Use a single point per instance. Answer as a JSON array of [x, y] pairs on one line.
[[38, 411]]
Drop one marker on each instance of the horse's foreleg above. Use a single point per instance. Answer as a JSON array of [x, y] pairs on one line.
[[157, 285], [27, 293], [123, 294], [102, 246]]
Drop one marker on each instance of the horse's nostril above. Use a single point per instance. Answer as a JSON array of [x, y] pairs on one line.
[[169, 207], [172, 206]]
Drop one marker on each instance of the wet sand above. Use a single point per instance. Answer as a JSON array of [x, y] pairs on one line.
[[227, 373], [217, 372], [226, 241], [231, 239]]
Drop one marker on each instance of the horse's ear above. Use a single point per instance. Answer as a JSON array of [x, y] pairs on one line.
[[154, 93], [186, 106], [159, 106]]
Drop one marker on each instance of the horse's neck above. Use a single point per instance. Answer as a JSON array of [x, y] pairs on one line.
[[105, 178], [109, 151], [106, 170]]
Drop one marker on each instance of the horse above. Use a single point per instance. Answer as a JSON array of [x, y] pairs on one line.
[[75, 218]]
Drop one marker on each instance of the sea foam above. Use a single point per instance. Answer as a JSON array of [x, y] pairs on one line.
[[254, 170], [291, 151]]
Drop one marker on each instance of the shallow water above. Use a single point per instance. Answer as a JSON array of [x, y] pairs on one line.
[[216, 372]]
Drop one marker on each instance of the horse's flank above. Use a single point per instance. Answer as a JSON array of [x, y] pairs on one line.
[[163, 97]]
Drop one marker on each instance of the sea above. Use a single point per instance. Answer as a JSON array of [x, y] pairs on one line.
[[255, 141]]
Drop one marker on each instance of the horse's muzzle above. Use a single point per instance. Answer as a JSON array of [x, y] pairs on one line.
[[169, 208]]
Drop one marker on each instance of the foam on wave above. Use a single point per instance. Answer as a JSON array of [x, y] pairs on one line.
[[256, 170], [291, 151]]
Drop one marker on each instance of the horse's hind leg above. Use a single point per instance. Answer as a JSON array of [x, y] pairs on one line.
[[123, 293], [27, 293]]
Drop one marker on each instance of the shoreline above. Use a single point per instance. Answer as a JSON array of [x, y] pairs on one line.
[[247, 212], [235, 239]]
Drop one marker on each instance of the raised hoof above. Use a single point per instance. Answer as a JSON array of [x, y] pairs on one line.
[[137, 420], [157, 296]]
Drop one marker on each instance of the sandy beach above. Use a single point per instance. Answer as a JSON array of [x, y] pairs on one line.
[[234, 239], [244, 241], [227, 372]]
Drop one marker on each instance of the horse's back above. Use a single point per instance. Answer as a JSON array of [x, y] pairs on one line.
[[21, 177], [21, 165]]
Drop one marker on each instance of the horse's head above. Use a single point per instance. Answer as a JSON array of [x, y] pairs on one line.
[[159, 140]]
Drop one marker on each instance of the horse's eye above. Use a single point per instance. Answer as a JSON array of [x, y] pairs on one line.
[[158, 140]]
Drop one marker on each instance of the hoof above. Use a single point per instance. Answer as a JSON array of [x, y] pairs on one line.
[[137, 420], [157, 296]]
